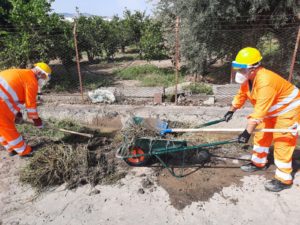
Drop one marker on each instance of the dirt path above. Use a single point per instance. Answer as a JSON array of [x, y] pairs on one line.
[[208, 196], [219, 193], [130, 203]]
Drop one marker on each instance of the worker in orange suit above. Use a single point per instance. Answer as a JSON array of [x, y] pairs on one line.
[[18, 91], [276, 105]]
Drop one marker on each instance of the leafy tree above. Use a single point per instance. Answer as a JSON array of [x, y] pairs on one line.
[[152, 41], [135, 24], [35, 33], [91, 34], [217, 29], [5, 7], [63, 41], [111, 41], [125, 35]]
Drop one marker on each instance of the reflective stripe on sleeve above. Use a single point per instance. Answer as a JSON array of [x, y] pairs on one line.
[[282, 175], [31, 110], [4, 97], [285, 101], [9, 89], [16, 141], [283, 165], [21, 106]]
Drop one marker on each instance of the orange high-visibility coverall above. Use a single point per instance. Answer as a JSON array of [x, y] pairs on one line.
[[276, 105], [17, 87]]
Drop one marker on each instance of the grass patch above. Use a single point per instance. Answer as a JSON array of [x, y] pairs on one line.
[[149, 75], [65, 79], [199, 88]]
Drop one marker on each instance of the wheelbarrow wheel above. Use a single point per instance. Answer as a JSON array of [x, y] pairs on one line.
[[203, 156], [142, 160]]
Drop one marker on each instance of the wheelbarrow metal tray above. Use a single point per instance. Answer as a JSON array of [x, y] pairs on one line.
[[154, 146]]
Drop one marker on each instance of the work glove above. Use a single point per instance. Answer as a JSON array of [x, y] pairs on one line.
[[38, 123], [244, 137], [19, 118], [228, 116]]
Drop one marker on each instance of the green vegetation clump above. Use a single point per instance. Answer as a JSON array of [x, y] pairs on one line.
[[199, 88], [149, 75]]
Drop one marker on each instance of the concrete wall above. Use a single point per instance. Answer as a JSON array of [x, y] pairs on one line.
[[116, 115]]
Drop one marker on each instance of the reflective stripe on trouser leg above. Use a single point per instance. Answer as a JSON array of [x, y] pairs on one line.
[[20, 146], [262, 142], [259, 155], [9, 132], [284, 145], [26, 151]]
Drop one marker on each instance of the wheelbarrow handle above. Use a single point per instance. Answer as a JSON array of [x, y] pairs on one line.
[[229, 130], [210, 123], [179, 130]]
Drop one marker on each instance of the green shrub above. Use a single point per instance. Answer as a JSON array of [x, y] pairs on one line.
[[149, 75], [199, 88]]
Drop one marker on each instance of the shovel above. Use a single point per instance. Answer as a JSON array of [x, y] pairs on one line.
[[150, 123]]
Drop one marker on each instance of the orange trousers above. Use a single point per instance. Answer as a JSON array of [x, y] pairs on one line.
[[9, 136], [284, 144]]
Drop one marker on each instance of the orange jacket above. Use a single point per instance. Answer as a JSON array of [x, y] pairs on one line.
[[19, 87], [271, 95]]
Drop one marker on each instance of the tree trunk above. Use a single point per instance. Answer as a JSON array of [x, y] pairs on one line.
[[123, 49]]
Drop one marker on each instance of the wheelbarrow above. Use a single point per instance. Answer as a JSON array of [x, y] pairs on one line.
[[142, 151]]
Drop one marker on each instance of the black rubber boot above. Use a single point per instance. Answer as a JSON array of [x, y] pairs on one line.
[[250, 167], [12, 153], [27, 156], [276, 185]]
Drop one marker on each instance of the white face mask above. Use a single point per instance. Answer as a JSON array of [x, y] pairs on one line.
[[42, 83], [240, 78]]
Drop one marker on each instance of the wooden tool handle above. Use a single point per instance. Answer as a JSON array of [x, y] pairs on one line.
[[62, 130]]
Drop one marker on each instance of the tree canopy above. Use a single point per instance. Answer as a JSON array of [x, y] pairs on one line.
[[217, 29], [32, 33]]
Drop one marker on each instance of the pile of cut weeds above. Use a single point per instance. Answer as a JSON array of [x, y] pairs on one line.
[[67, 158]]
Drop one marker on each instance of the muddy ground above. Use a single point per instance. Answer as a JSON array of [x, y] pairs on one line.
[[212, 193]]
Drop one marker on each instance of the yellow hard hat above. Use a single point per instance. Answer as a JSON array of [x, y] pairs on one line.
[[248, 56], [44, 68]]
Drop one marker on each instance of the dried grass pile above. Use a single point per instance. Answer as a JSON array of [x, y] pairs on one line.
[[70, 160], [139, 128]]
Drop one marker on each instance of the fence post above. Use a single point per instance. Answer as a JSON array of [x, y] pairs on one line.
[[77, 57], [176, 56], [294, 55]]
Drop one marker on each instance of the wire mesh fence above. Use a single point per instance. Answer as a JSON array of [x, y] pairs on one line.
[[98, 71]]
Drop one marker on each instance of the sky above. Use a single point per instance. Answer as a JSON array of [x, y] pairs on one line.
[[102, 7]]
